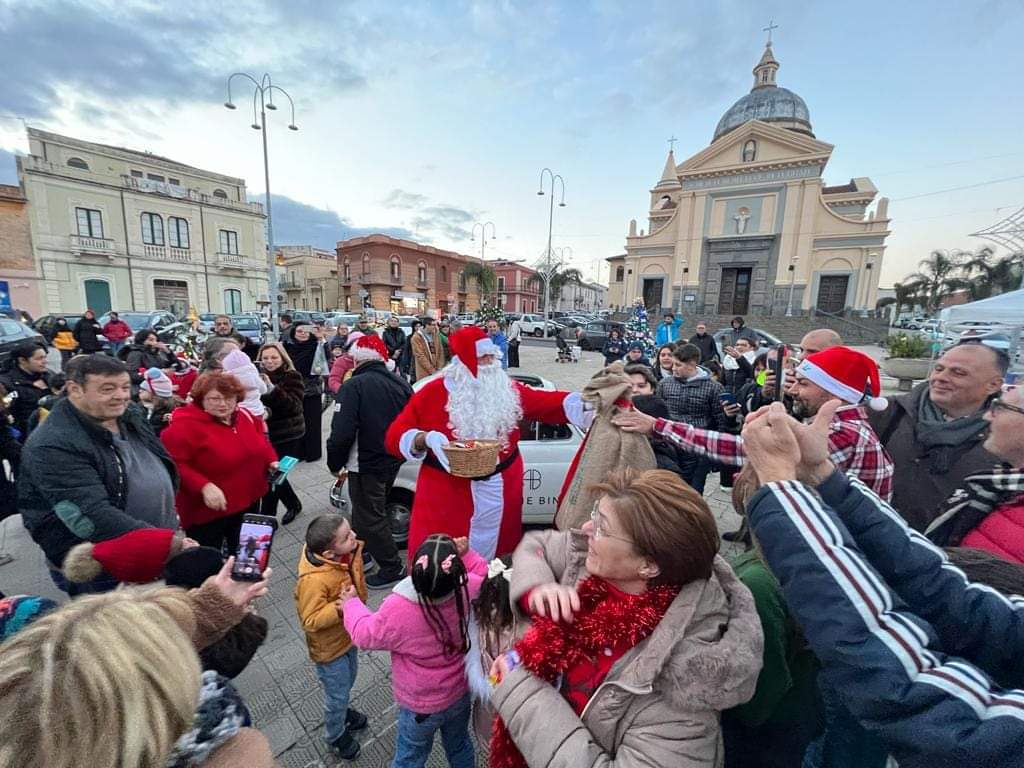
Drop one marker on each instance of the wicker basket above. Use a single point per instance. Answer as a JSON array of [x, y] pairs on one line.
[[473, 458]]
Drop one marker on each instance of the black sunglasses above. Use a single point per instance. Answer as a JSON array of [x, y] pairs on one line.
[[999, 404]]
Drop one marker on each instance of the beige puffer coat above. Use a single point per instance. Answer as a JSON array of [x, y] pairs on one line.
[[660, 704]]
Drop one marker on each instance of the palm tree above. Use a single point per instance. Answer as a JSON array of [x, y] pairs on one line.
[[559, 279], [484, 275], [937, 276], [994, 277]]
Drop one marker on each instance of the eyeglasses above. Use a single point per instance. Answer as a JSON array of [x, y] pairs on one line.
[[598, 533], [999, 404]]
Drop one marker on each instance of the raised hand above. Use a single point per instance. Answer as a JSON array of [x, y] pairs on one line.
[[634, 421]]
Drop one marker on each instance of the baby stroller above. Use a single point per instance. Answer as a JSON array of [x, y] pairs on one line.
[[564, 353]]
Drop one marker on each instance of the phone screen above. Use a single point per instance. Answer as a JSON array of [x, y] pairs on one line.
[[778, 367], [253, 554]]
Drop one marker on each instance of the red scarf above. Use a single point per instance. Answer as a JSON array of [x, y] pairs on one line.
[[549, 649]]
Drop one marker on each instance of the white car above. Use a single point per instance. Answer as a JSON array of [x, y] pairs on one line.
[[405, 323], [547, 449], [533, 325]]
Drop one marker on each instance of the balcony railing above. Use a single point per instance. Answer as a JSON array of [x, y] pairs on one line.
[[288, 284], [164, 253], [83, 244], [231, 260]]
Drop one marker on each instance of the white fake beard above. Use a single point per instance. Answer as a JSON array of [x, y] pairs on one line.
[[485, 407]]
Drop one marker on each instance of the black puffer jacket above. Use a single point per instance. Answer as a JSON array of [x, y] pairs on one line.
[[394, 338], [364, 409], [86, 332], [70, 466], [140, 357], [29, 395], [285, 421]]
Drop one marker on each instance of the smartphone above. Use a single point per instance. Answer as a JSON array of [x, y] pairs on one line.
[[254, 542], [284, 465], [727, 398], [778, 367]]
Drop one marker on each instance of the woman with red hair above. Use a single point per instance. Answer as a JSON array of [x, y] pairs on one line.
[[224, 459]]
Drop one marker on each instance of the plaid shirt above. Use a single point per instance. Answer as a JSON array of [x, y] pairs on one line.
[[853, 447]]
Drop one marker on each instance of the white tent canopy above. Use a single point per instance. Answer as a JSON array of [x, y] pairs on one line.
[[1006, 308]]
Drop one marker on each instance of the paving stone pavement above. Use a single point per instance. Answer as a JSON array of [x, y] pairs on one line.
[[280, 685]]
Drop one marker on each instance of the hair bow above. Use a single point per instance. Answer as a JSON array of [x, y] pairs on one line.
[[422, 561], [497, 566], [446, 564]]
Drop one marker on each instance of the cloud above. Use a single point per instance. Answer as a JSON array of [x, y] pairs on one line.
[[399, 198], [445, 220], [98, 57], [298, 223]]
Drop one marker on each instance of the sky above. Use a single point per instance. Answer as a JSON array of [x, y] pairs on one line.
[[422, 119]]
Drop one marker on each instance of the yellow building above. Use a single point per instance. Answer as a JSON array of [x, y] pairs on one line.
[[114, 228], [748, 226], [307, 277]]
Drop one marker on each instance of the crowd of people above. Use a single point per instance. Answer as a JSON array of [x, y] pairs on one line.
[[871, 616]]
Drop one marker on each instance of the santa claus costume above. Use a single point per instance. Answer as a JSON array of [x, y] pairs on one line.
[[473, 398]]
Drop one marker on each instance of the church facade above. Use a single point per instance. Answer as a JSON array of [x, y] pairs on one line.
[[748, 226]]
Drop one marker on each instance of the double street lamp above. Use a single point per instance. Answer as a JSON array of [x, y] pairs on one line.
[[483, 235], [263, 90], [551, 220]]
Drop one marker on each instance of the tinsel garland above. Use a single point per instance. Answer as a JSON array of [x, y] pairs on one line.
[[550, 649]]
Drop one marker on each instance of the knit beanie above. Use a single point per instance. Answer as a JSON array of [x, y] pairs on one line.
[[156, 382], [136, 557], [191, 567], [19, 611]]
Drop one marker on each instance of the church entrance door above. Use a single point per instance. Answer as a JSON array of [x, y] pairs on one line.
[[832, 293], [734, 295], [653, 292]]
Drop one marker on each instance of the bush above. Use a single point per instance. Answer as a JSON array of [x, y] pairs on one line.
[[903, 345]]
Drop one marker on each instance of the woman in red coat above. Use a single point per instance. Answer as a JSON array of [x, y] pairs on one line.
[[224, 459]]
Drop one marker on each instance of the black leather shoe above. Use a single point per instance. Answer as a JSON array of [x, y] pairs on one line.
[[355, 720], [347, 748], [290, 514]]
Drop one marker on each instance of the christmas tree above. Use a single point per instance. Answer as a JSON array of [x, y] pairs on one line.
[[637, 329], [490, 312]]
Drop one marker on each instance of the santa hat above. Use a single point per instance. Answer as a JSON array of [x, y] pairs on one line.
[[368, 347], [136, 557], [846, 373], [351, 340], [156, 382], [470, 343]]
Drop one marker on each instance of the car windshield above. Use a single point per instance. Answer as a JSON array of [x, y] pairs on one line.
[[207, 316], [246, 323], [136, 320], [406, 322]]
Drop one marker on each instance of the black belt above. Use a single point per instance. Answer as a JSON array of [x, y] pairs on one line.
[[431, 461]]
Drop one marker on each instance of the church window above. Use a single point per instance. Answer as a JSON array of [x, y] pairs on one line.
[[619, 274], [750, 151]]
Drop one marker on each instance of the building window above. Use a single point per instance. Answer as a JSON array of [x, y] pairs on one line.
[[346, 270], [77, 162], [220, 193], [152, 229], [462, 281], [501, 283], [90, 222], [136, 174], [155, 177], [177, 232], [444, 275], [366, 263], [750, 151], [421, 272], [396, 267], [619, 273], [175, 182], [228, 241], [233, 301]]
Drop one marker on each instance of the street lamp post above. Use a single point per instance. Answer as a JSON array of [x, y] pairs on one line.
[[263, 89], [483, 235], [551, 222], [792, 285]]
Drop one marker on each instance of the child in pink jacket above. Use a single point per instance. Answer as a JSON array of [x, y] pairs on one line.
[[425, 625]]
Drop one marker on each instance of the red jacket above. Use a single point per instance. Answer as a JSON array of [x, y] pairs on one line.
[[117, 330], [1001, 533], [234, 458]]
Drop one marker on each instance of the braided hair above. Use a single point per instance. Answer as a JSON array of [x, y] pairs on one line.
[[437, 572], [493, 609]]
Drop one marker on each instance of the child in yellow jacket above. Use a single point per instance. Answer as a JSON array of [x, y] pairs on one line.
[[331, 560]]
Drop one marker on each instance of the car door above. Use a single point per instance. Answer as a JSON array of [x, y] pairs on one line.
[[597, 335], [548, 450]]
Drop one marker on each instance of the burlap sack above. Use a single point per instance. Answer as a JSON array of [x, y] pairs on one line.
[[605, 448]]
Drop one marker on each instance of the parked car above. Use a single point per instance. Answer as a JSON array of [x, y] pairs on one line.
[[46, 323], [765, 339], [467, 318], [547, 449], [595, 334], [342, 318], [21, 315], [305, 317], [405, 323], [157, 319], [250, 327], [206, 321], [13, 333], [533, 325]]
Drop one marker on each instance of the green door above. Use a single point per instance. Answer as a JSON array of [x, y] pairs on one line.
[[97, 296]]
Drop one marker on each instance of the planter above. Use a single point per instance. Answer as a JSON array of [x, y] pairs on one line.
[[907, 370]]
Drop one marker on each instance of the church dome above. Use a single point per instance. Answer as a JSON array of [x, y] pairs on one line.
[[767, 102]]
